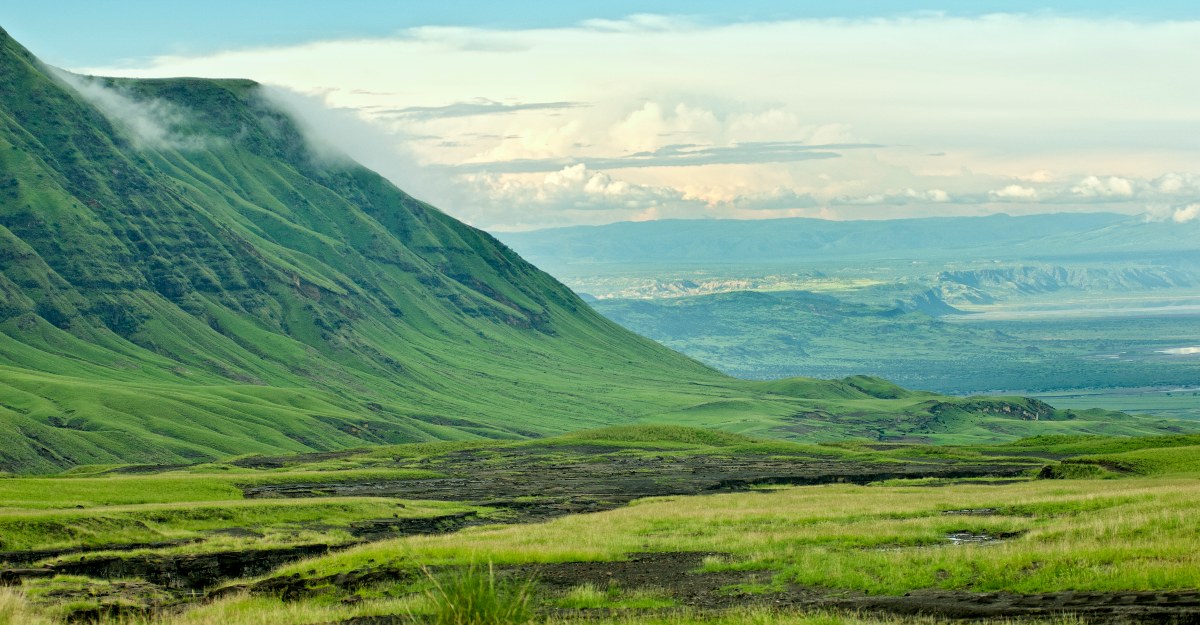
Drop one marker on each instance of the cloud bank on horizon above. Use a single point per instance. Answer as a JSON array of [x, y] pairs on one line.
[[654, 117]]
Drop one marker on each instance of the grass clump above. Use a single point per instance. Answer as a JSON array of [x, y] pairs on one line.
[[591, 597], [16, 610], [584, 597], [473, 595]]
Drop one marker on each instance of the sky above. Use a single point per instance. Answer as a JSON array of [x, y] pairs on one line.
[[524, 115]]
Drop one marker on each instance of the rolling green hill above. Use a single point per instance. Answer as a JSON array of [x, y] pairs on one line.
[[183, 277]]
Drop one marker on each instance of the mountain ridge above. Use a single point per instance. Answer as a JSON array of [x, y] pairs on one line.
[[184, 277], [1044, 235], [237, 261]]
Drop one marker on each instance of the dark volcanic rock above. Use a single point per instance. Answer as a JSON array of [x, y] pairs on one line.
[[292, 587], [13, 577], [378, 529], [190, 571], [33, 555], [537, 484]]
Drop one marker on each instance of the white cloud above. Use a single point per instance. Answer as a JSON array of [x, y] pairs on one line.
[[573, 187], [1025, 113], [1015, 192], [1094, 186], [148, 123], [1186, 214]]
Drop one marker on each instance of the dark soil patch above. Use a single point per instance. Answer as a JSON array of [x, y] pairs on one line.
[[967, 537], [189, 571], [292, 587], [379, 529], [671, 572], [973, 512], [107, 613], [1092, 607], [675, 575], [18, 558], [538, 484]]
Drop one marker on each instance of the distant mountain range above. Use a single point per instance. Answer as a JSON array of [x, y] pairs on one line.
[[1033, 237]]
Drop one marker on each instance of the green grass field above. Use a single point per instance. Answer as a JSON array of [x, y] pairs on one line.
[[222, 351], [1126, 528]]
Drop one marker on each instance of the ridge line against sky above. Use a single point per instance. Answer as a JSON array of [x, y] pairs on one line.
[[583, 118]]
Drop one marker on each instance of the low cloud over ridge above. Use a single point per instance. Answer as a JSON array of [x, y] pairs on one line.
[[845, 118]]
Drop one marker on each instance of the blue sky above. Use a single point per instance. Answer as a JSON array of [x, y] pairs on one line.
[[524, 115], [108, 32]]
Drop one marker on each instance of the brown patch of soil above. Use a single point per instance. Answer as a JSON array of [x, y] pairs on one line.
[[188, 571], [536, 484], [11, 558], [675, 573]]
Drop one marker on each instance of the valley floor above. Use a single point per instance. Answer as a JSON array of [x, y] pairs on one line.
[[626, 525]]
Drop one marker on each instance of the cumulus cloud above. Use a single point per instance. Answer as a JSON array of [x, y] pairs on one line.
[[1176, 183], [929, 195], [1015, 192], [654, 125], [1186, 214], [575, 187], [1094, 186], [833, 117]]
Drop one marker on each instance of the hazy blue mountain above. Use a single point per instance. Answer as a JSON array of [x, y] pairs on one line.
[[1044, 236]]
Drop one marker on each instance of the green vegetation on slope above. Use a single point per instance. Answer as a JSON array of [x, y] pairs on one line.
[[219, 288], [183, 278]]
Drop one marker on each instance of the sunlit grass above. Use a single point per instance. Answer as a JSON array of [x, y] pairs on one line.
[[15, 609], [473, 595], [1079, 535], [274, 521], [591, 597]]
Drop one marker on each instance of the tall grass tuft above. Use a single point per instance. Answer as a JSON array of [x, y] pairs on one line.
[[474, 596], [15, 609]]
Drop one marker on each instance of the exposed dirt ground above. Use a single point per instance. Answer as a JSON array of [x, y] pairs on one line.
[[674, 575], [539, 483]]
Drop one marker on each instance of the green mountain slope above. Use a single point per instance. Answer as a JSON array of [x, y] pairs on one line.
[[183, 277], [172, 288]]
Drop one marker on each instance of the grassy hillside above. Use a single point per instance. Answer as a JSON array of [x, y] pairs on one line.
[[218, 287], [183, 277]]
